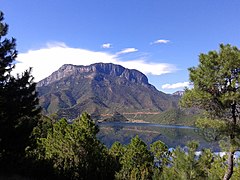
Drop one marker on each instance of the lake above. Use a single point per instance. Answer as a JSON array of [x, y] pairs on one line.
[[171, 135]]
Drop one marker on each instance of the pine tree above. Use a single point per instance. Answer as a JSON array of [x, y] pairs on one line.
[[19, 108], [161, 157], [136, 161], [74, 150], [216, 91]]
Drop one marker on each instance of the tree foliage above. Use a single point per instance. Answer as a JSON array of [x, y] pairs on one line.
[[74, 150], [216, 84], [136, 161], [216, 90], [18, 103], [186, 164], [161, 158]]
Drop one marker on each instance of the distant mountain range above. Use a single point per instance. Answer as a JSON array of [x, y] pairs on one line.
[[178, 93], [103, 90]]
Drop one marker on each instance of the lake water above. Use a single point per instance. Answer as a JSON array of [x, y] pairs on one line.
[[122, 124], [171, 135]]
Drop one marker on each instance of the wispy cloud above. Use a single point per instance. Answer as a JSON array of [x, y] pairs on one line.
[[150, 68], [53, 44], [160, 41], [106, 45], [49, 59], [176, 85], [127, 50]]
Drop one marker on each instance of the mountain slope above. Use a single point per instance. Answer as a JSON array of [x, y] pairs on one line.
[[100, 89]]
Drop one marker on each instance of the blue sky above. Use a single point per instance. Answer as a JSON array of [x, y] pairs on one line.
[[161, 38]]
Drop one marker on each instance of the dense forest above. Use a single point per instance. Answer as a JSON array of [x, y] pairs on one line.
[[33, 146]]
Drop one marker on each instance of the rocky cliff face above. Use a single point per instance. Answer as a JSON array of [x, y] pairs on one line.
[[93, 71], [100, 89]]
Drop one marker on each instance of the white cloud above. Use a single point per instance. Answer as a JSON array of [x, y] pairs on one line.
[[176, 85], [150, 68], [107, 45], [161, 41], [46, 60], [127, 50]]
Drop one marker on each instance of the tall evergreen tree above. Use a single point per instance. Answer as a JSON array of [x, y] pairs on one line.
[[216, 83], [19, 108]]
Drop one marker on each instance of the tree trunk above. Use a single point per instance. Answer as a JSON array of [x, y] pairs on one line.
[[230, 161], [229, 171]]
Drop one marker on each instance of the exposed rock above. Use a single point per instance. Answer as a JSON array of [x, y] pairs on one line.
[[178, 93]]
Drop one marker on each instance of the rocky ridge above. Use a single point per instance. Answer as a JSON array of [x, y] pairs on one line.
[[93, 70]]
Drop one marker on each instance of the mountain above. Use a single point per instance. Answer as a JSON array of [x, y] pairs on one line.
[[101, 89], [178, 93]]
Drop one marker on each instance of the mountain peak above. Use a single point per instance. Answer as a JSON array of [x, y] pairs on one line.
[[94, 70], [178, 93]]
